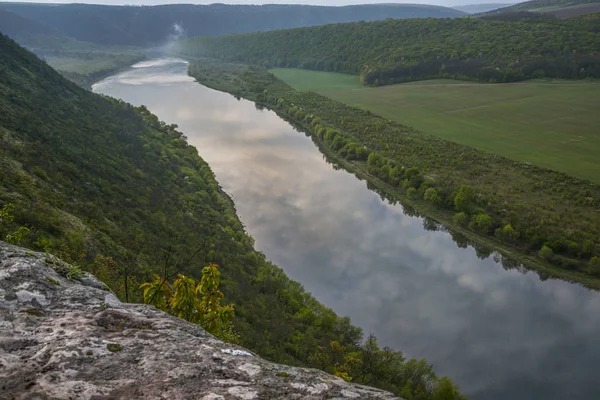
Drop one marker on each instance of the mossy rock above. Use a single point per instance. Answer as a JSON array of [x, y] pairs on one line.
[[114, 347], [52, 280], [35, 312]]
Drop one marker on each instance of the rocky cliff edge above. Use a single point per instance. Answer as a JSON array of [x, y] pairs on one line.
[[65, 339]]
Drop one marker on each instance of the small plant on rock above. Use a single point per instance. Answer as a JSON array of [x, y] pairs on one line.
[[198, 303]]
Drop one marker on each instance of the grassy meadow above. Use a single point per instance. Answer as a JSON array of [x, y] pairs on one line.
[[552, 124]]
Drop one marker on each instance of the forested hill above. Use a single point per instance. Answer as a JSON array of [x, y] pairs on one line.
[[39, 37], [105, 185], [15, 25], [550, 5], [393, 51], [152, 25], [480, 8]]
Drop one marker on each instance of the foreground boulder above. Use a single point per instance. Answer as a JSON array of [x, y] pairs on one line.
[[64, 339]]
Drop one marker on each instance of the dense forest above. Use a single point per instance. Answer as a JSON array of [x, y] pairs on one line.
[[154, 25], [394, 51], [107, 186], [545, 4], [548, 215]]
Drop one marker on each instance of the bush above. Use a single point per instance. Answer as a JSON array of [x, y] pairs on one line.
[[565, 262], [464, 198], [432, 195], [546, 253], [461, 219], [594, 266], [507, 233], [482, 223], [412, 192]]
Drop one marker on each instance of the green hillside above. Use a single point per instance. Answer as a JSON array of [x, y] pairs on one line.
[[546, 5], [108, 186], [394, 51], [546, 8]]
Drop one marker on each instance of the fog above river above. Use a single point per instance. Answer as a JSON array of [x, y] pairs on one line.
[[499, 334]]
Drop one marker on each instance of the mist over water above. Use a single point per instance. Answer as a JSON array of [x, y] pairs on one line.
[[499, 334]]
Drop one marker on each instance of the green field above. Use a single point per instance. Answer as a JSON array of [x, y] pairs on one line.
[[89, 66], [551, 124]]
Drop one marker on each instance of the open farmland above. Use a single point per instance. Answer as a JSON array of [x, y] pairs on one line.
[[553, 124]]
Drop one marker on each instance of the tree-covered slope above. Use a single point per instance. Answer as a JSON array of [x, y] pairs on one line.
[[549, 8], [392, 51], [541, 5], [106, 185], [129, 25]]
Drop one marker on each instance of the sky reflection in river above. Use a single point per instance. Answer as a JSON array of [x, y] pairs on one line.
[[499, 334]]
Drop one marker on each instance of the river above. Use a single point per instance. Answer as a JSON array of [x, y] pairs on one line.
[[498, 333]]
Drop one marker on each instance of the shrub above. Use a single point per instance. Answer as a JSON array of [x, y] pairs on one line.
[[594, 266], [461, 219], [374, 159], [565, 262], [412, 192], [432, 195], [546, 253], [464, 198], [199, 303], [482, 223], [507, 233]]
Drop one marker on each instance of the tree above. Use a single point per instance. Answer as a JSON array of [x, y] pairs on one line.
[[432, 195], [411, 193], [446, 390], [463, 200], [198, 303], [6, 213], [373, 160], [6, 217], [482, 223], [507, 233], [546, 253], [461, 219], [594, 266]]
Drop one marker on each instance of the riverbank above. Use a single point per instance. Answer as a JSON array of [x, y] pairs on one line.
[[314, 114], [87, 72], [110, 188]]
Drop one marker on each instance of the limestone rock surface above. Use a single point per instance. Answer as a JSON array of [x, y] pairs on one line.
[[64, 339]]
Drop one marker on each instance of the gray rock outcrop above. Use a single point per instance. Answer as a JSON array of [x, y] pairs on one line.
[[63, 339]]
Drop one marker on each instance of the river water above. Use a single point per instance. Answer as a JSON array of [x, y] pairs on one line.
[[499, 333]]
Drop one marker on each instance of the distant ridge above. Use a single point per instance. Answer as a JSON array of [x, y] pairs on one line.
[[14, 25], [480, 8], [151, 25], [557, 8]]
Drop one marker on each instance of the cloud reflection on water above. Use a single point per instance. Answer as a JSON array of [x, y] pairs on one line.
[[499, 334]]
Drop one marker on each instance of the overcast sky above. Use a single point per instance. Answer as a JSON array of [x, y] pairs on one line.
[[447, 3]]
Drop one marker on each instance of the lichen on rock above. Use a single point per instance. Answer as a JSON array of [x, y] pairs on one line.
[[80, 342]]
